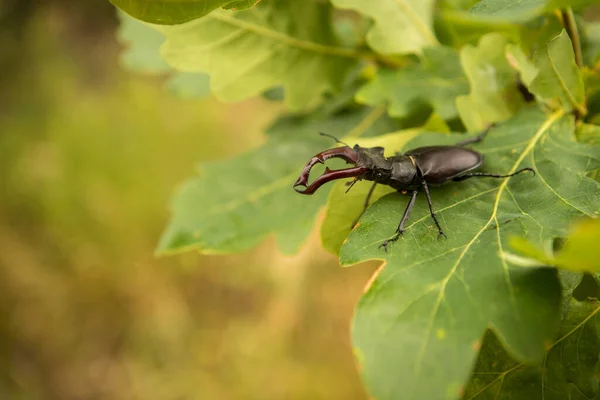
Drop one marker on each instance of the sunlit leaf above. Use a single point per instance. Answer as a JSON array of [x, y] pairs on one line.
[[591, 43], [521, 10], [434, 298], [234, 204], [435, 82], [458, 28], [568, 369], [580, 253], [587, 133], [509, 10], [559, 80], [275, 43], [520, 62], [176, 11], [400, 26], [494, 96]]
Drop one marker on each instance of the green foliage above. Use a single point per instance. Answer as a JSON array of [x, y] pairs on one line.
[[591, 42], [176, 11], [494, 96], [568, 369], [419, 327], [246, 53], [559, 80], [579, 254], [522, 10], [435, 82], [245, 199], [400, 26], [429, 288]]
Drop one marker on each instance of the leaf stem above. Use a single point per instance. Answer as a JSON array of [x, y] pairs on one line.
[[568, 20]]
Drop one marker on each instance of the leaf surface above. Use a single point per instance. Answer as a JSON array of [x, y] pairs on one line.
[[591, 42], [234, 204], [580, 253], [559, 80], [435, 82], [400, 26], [275, 43], [568, 370], [521, 10], [434, 299], [494, 96], [175, 11]]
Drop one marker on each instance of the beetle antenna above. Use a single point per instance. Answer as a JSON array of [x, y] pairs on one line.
[[333, 137], [350, 184]]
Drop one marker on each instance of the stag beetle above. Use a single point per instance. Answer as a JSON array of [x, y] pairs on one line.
[[411, 171]]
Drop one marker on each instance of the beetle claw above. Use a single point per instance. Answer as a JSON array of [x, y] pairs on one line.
[[345, 153]]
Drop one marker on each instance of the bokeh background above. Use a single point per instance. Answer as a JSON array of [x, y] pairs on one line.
[[90, 156]]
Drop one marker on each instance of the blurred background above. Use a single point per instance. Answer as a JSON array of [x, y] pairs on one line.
[[90, 157]]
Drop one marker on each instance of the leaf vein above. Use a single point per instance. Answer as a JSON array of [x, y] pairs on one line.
[[541, 176], [545, 126], [417, 22], [288, 40], [563, 85]]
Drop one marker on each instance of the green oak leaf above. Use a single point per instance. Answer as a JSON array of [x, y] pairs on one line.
[[569, 281], [232, 205], [521, 10], [509, 10], [591, 43], [142, 54], [580, 253], [458, 4], [494, 96], [275, 43], [434, 298], [435, 82], [588, 133], [400, 26], [171, 12], [559, 81], [458, 28], [520, 62], [569, 369]]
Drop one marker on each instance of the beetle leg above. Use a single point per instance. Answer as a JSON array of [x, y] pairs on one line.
[[400, 229], [485, 174], [366, 205], [441, 232], [477, 138]]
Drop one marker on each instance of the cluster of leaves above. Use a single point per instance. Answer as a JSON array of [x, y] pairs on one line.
[[501, 309]]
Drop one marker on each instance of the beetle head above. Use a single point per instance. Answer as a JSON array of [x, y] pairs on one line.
[[351, 156]]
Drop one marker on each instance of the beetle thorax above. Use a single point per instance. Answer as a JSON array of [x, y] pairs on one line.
[[404, 172]]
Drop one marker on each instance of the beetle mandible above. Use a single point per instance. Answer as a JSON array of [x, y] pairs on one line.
[[412, 171]]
